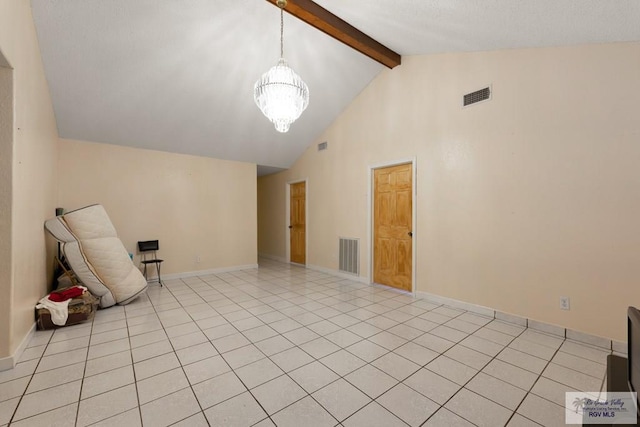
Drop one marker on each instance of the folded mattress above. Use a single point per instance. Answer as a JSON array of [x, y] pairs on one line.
[[97, 256]]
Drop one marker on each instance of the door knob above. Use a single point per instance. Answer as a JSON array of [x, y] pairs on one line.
[[291, 226], [410, 234]]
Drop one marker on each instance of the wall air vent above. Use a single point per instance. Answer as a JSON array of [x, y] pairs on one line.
[[348, 256], [477, 96], [322, 146]]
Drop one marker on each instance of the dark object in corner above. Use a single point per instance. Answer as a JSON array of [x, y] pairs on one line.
[[148, 250], [81, 309]]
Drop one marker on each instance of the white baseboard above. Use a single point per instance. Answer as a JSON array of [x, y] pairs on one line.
[[10, 361], [548, 328], [208, 272], [359, 279], [474, 308], [347, 276], [273, 257]]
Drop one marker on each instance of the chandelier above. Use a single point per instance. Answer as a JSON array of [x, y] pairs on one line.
[[280, 93]]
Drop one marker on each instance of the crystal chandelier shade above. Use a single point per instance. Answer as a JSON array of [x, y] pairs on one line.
[[280, 93]]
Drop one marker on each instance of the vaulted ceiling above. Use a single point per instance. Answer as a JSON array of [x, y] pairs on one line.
[[178, 75]]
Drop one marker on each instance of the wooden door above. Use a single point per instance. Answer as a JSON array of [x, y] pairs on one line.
[[392, 223], [297, 223]]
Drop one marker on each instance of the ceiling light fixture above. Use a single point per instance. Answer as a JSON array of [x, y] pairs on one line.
[[280, 93]]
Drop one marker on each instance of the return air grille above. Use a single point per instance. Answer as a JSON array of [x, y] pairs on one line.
[[322, 146], [477, 96], [348, 255]]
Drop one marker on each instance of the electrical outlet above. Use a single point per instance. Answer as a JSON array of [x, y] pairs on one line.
[[564, 303]]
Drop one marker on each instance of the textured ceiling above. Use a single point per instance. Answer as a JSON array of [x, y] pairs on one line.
[[178, 75]]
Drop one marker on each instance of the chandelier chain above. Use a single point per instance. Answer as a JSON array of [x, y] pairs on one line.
[[281, 32]]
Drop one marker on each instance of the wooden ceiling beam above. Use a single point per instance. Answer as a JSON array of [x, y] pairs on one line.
[[325, 21]]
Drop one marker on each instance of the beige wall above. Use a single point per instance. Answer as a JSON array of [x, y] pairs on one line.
[[34, 173], [520, 200], [195, 206]]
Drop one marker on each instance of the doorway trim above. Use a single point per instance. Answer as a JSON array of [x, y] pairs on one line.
[[414, 216], [287, 214]]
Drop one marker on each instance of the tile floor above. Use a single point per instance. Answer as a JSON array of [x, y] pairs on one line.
[[282, 345]]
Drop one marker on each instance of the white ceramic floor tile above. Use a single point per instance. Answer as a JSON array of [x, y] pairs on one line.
[[197, 420], [148, 338], [260, 333], [31, 353], [150, 351], [206, 369], [109, 336], [348, 326], [496, 390], [510, 374], [341, 399], [243, 356], [372, 381], [306, 412], [432, 385], [130, 418], [407, 404], [477, 409], [301, 335], [586, 366], [22, 369], [451, 370], [494, 336], [170, 409], [107, 405], [48, 399], [13, 388], [62, 359], [433, 342], [342, 362], [542, 411], [156, 365], [185, 341], [595, 354], [278, 394], [56, 377], [444, 417], [367, 351], [230, 342], [573, 379], [218, 389], [6, 410], [107, 381], [107, 363], [555, 391], [421, 324], [61, 417], [239, 411], [105, 349], [532, 348], [319, 347], [523, 360], [161, 385], [343, 338], [313, 376], [518, 420], [406, 331], [292, 358], [373, 415]]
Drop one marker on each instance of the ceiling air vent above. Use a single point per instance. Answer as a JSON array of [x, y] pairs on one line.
[[477, 96], [322, 146]]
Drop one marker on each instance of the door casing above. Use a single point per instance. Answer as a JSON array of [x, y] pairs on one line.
[[370, 225], [287, 218]]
